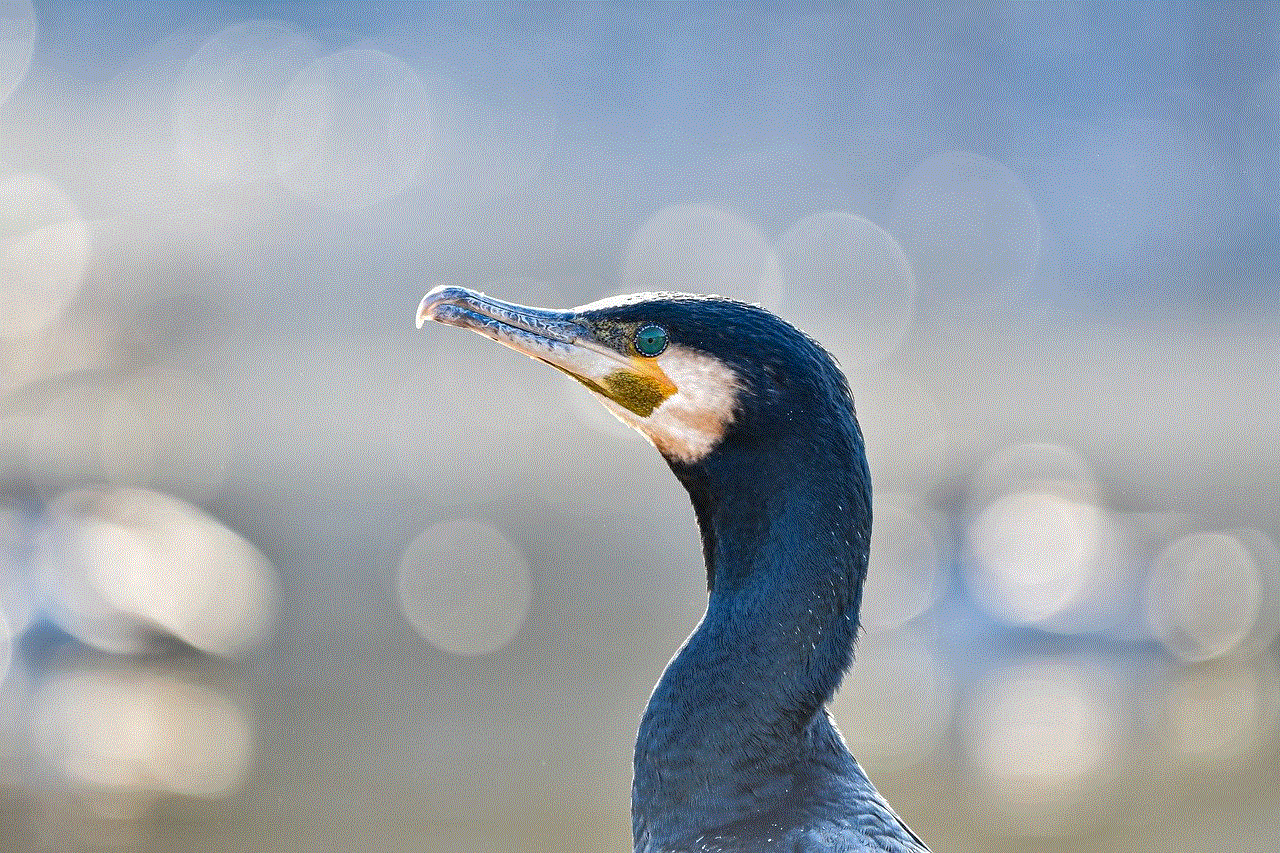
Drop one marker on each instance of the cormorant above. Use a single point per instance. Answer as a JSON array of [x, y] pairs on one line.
[[736, 751]]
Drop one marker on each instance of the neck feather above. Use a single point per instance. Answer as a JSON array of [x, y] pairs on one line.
[[738, 715]]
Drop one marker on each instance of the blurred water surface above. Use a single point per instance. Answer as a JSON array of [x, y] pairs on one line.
[[278, 572]]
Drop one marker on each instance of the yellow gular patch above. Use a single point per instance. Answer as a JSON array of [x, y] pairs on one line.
[[641, 389], [690, 419]]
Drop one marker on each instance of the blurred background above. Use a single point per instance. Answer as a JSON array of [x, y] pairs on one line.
[[280, 573]]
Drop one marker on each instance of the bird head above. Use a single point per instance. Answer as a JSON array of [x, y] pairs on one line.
[[688, 372]]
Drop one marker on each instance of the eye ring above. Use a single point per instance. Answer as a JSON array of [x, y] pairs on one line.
[[650, 340]]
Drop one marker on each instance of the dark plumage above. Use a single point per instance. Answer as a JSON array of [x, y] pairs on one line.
[[735, 751]]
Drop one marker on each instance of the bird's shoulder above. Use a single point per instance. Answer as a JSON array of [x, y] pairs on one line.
[[871, 830], [823, 837], [854, 839]]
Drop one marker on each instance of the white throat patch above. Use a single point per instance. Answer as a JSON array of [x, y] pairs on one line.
[[690, 423]]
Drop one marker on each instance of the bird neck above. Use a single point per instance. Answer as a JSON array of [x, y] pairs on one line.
[[737, 716]]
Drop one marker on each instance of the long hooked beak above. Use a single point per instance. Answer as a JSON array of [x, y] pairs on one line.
[[558, 338]]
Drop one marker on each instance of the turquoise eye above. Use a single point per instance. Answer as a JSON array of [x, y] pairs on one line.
[[651, 340]]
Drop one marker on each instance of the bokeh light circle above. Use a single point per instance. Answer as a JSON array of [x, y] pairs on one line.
[[1041, 735], [138, 731], [846, 281], [352, 129], [226, 98], [698, 248], [1036, 554], [969, 226], [18, 30], [1045, 550], [464, 587], [125, 564], [1204, 596], [44, 249]]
